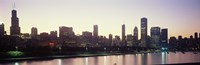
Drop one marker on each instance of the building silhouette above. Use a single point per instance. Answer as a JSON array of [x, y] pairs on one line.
[[172, 42], [196, 39], [135, 36], [180, 40], [199, 35], [87, 38], [25, 36], [66, 31], [53, 36], [44, 36], [117, 41], [143, 32], [2, 31], [185, 42], [34, 33], [123, 35], [164, 37], [66, 34], [199, 40], [110, 39], [195, 35], [14, 29], [191, 42], [129, 39], [95, 31], [155, 37], [95, 34], [87, 35]]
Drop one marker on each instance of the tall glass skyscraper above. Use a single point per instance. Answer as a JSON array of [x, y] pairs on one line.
[[143, 32]]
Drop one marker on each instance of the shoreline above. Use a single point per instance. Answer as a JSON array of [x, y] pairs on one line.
[[68, 56]]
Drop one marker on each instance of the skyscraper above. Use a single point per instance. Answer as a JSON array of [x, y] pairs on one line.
[[199, 40], [164, 37], [2, 32], [143, 32], [14, 29], [34, 32], [110, 39], [95, 31], [123, 35], [155, 37], [135, 36], [199, 35], [196, 35], [95, 34], [196, 38]]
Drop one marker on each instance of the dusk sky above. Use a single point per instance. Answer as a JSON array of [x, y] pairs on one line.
[[181, 17]]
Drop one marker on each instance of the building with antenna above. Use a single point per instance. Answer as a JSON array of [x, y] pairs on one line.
[[14, 28]]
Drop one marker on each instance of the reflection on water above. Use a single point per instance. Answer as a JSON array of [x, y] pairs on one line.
[[164, 57], [16, 63], [86, 61], [59, 62], [104, 60], [129, 59]]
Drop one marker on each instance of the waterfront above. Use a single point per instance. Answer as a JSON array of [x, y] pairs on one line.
[[128, 59]]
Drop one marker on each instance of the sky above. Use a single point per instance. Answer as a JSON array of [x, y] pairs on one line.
[[181, 17]]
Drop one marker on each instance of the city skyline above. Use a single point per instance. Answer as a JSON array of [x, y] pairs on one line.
[[110, 25]]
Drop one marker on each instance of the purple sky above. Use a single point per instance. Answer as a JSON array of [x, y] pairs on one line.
[[181, 17]]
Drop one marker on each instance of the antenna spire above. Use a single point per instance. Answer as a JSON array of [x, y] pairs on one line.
[[13, 5]]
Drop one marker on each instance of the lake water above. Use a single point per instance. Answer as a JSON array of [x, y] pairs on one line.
[[129, 59]]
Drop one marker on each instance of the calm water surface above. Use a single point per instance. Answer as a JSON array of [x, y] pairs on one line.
[[129, 59]]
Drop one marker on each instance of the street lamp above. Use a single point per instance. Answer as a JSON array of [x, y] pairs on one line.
[[104, 48], [60, 48], [16, 48], [86, 49]]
